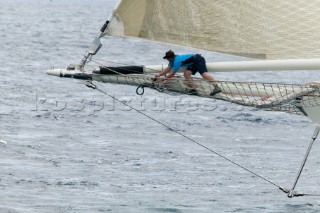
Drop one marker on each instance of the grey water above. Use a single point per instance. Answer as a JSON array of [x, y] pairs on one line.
[[67, 148]]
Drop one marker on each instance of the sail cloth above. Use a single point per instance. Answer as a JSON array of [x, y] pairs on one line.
[[273, 29]]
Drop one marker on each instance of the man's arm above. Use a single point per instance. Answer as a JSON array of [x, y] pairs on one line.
[[170, 75], [165, 71]]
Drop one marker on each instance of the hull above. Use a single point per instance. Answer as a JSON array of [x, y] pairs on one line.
[[311, 105]]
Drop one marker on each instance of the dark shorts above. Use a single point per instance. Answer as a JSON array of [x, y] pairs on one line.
[[199, 65]]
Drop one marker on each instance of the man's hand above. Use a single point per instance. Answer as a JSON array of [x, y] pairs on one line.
[[156, 77]]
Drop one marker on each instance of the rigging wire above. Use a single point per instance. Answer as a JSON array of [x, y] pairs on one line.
[[93, 86], [312, 195]]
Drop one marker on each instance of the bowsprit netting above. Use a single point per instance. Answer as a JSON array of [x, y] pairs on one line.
[[266, 96]]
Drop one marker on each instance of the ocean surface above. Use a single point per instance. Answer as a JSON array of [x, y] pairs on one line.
[[66, 148]]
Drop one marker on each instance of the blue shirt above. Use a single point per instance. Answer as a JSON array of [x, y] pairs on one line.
[[176, 64]]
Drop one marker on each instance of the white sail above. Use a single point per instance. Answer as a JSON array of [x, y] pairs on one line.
[[272, 29]]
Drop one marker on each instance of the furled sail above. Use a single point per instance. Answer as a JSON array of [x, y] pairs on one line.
[[272, 29]]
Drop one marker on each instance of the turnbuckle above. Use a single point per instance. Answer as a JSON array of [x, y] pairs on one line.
[[91, 85]]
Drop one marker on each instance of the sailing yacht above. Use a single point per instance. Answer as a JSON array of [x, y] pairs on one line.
[[282, 35], [258, 29]]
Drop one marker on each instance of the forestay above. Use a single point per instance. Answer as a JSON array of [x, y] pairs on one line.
[[272, 29]]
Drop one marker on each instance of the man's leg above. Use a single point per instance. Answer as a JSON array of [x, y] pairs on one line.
[[200, 65], [208, 77], [187, 74]]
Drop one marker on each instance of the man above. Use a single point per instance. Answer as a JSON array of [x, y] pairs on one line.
[[194, 63]]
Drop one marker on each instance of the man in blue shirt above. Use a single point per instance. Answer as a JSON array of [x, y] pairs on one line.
[[194, 63]]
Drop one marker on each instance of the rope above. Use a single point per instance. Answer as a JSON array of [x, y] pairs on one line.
[[91, 85], [312, 195], [141, 87]]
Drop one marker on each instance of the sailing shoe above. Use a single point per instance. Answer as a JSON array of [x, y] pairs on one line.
[[215, 91], [192, 92]]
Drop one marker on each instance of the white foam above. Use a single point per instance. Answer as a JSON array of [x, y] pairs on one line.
[[4, 142]]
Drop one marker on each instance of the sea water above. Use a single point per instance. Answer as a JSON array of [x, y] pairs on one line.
[[67, 148]]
